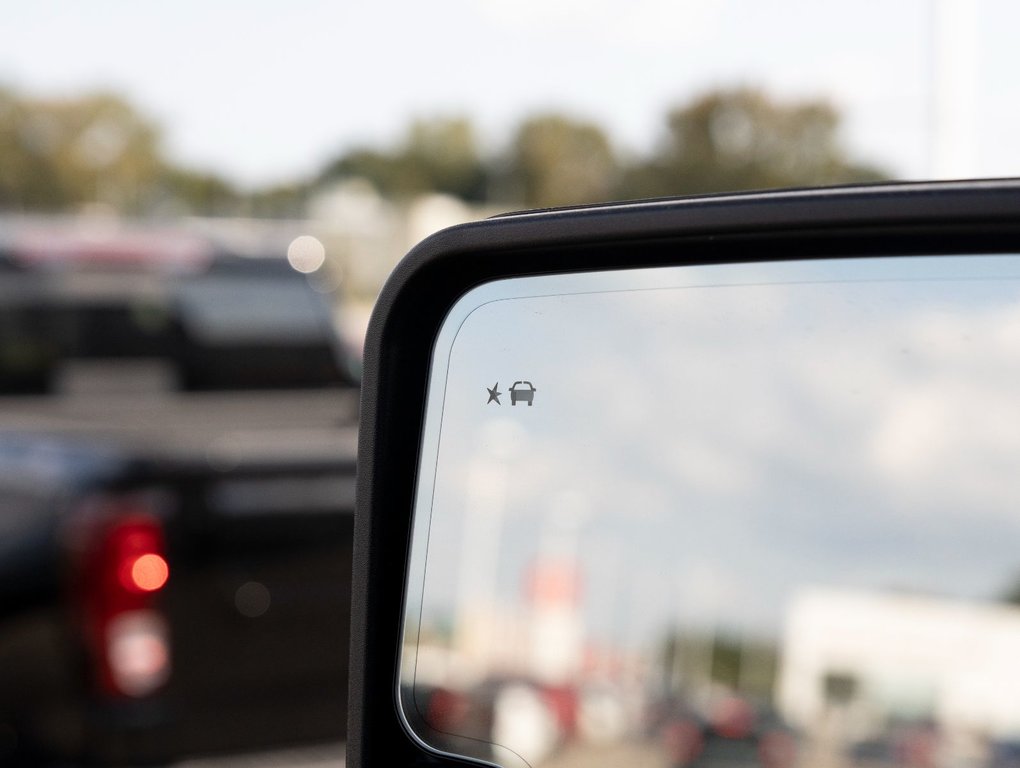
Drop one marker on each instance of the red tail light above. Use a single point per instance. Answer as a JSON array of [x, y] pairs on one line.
[[122, 569]]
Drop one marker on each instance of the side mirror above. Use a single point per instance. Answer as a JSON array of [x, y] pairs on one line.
[[729, 477]]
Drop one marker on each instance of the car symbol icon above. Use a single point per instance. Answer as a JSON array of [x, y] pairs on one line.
[[523, 391]]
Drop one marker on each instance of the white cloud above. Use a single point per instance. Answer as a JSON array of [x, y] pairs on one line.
[[609, 24]]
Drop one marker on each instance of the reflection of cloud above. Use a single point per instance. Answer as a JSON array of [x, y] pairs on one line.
[[707, 589], [707, 468], [755, 438], [932, 406], [502, 439], [914, 437]]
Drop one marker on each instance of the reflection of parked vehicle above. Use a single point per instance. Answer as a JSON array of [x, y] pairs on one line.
[[497, 712], [1005, 754], [451, 718], [523, 392], [176, 496], [908, 744], [735, 734]]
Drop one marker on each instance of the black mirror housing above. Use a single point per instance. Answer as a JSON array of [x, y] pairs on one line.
[[900, 219]]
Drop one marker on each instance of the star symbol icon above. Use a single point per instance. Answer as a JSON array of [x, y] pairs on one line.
[[494, 394]]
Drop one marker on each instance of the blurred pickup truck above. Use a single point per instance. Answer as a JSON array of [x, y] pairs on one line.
[[177, 465]]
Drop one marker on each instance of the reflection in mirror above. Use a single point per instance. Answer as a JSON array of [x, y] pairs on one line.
[[742, 515]]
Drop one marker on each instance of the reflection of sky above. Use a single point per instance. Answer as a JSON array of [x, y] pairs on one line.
[[724, 445]]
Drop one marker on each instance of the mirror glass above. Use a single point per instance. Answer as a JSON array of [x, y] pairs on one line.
[[747, 514]]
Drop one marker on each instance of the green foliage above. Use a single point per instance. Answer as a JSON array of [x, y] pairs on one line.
[[57, 154], [725, 140], [745, 664], [279, 201], [555, 160], [446, 153], [380, 168], [54, 153], [741, 139], [437, 155], [198, 192], [1012, 593]]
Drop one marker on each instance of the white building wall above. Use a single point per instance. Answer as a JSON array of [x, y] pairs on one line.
[[958, 661]]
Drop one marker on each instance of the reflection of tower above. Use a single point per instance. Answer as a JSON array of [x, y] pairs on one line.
[[479, 616], [553, 590]]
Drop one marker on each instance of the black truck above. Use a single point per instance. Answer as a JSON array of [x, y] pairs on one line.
[[177, 465]]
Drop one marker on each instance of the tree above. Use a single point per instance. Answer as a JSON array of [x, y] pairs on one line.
[[445, 152], [58, 152], [198, 192], [28, 179], [278, 201], [742, 139], [1012, 593], [97, 148], [556, 160], [436, 155]]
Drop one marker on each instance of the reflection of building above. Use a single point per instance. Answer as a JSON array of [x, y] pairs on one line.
[[865, 658], [556, 649], [489, 639], [542, 641]]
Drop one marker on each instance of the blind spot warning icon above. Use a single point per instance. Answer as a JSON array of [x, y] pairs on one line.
[[522, 392], [494, 394]]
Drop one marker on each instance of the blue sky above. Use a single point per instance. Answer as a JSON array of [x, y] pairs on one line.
[[268, 91]]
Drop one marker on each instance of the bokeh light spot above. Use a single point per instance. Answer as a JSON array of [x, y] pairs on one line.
[[306, 254]]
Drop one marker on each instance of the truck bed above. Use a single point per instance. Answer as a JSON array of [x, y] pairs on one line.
[[259, 491], [189, 426]]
